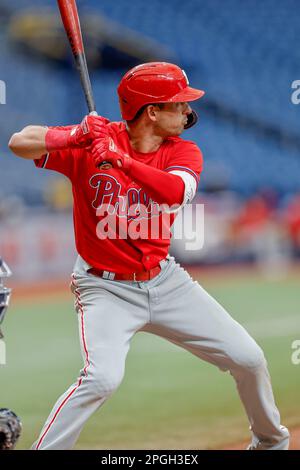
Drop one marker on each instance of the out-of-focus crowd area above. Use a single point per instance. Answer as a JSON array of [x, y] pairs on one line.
[[262, 229], [248, 121]]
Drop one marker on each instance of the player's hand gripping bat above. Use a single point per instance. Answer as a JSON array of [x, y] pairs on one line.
[[70, 19]]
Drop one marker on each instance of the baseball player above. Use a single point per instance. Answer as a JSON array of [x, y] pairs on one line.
[[10, 423], [141, 172]]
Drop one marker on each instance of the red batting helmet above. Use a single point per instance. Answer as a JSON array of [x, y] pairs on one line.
[[155, 82]]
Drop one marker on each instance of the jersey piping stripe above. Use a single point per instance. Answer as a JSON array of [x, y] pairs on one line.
[[184, 168], [77, 295], [45, 161]]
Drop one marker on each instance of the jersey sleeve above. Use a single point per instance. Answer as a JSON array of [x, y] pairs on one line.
[[61, 161], [186, 161], [186, 156]]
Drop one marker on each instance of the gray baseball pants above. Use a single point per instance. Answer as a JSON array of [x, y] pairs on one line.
[[172, 306]]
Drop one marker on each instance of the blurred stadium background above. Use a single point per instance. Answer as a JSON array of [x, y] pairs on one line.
[[245, 55]]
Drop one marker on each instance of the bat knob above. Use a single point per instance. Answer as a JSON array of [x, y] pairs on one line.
[[105, 166]]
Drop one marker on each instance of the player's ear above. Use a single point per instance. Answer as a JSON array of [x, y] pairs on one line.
[[151, 111]]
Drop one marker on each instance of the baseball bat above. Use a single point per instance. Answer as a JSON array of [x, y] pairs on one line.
[[70, 18]]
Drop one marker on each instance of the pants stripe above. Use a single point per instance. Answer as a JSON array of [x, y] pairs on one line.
[[77, 295], [54, 417]]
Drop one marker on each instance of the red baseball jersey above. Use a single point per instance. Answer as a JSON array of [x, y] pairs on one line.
[[122, 251]]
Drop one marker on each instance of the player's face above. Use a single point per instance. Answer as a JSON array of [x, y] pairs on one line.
[[171, 119]]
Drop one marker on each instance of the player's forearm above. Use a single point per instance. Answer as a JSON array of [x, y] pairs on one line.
[[35, 141], [162, 187], [29, 143]]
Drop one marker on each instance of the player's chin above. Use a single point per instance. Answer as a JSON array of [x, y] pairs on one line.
[[182, 127], [179, 130]]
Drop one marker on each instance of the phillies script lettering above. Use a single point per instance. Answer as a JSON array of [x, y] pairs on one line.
[[136, 204], [135, 215]]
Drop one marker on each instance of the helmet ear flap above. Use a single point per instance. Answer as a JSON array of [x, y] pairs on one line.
[[192, 119]]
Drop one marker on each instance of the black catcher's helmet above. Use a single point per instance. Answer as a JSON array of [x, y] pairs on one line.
[[10, 429]]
